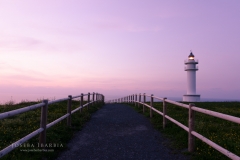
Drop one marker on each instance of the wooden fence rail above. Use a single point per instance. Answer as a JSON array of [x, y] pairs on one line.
[[43, 122], [190, 129]]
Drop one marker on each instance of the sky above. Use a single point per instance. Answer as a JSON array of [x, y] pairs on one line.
[[52, 49]]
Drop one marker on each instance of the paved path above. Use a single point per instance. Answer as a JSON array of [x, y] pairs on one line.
[[118, 132]]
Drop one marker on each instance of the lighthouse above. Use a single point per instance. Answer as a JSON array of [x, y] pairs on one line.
[[191, 68]]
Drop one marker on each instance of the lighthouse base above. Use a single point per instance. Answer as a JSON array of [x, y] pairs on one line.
[[191, 98]]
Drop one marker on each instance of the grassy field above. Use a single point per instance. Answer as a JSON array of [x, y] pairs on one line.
[[14, 128], [222, 132]]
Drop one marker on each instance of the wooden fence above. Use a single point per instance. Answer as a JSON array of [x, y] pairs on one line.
[[190, 129], [96, 98]]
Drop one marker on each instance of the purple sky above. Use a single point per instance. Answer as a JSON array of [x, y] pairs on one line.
[[60, 47]]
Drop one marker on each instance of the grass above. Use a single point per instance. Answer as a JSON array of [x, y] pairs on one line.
[[16, 127], [222, 132]]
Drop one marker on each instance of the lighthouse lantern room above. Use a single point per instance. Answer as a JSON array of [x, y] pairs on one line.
[[191, 69]]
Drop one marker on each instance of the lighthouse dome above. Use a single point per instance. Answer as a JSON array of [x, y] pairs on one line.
[[191, 56]]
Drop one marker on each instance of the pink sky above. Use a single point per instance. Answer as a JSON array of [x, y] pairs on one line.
[[60, 47]]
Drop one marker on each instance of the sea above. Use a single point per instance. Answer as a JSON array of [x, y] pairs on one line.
[[179, 99]]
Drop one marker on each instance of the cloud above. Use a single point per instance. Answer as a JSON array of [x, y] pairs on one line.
[[216, 89], [2, 64], [143, 29], [26, 78], [60, 31], [20, 71], [127, 27], [18, 42], [117, 23], [14, 75]]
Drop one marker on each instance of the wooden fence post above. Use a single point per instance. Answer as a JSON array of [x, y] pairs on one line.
[[144, 101], [151, 105], [98, 98], [88, 100], [93, 96], [191, 120], [69, 110], [43, 123], [81, 102], [132, 98], [96, 94], [164, 113], [139, 99], [135, 100]]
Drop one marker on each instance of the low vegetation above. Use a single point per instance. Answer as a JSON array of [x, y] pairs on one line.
[[222, 132], [15, 128]]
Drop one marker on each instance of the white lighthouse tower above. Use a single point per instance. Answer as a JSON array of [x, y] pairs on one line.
[[191, 69]]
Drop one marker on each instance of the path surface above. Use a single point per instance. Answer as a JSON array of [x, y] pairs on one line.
[[118, 132]]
